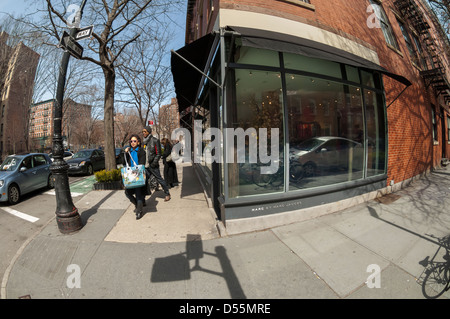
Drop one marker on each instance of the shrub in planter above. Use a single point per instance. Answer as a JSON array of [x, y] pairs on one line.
[[108, 180]]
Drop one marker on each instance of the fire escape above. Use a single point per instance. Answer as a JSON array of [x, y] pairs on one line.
[[433, 69]]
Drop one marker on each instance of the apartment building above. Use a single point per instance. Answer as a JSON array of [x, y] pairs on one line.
[[75, 123], [358, 91], [18, 65]]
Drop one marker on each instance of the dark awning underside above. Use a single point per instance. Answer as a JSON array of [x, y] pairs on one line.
[[187, 79]]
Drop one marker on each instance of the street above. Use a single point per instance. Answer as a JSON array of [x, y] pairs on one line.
[[18, 223]]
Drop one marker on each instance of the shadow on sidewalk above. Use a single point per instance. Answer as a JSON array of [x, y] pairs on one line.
[[176, 267], [93, 210]]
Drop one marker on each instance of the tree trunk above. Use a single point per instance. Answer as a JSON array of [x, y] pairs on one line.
[[110, 158]]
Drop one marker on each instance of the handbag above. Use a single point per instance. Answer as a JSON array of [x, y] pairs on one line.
[[132, 177]]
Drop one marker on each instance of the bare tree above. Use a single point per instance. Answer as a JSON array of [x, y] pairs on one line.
[[147, 76], [442, 10], [119, 24]]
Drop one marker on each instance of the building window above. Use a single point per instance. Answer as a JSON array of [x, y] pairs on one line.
[[408, 42], [384, 24], [258, 103], [421, 57], [331, 120], [434, 123], [448, 128], [300, 3]]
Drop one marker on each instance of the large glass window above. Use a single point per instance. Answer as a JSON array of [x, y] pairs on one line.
[[376, 134], [258, 104], [325, 132], [333, 131]]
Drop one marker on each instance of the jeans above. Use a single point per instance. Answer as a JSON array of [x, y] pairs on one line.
[[155, 171]]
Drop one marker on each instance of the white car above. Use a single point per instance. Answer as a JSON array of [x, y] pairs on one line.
[[67, 155]]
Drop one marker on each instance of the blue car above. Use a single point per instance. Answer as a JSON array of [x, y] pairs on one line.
[[24, 173]]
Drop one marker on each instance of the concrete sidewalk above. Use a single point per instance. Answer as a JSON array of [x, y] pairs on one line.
[[176, 251]]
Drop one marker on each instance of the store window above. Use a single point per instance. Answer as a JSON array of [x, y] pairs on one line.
[[325, 132], [331, 120], [258, 103]]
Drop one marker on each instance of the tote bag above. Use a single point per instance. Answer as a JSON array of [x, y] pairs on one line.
[[133, 177]]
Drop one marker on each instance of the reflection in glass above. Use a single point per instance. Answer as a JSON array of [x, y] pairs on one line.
[[258, 104], [326, 132]]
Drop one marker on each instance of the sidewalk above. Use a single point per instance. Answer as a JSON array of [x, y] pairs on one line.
[[176, 251]]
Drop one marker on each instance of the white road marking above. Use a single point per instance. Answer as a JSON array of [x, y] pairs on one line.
[[74, 194], [20, 215]]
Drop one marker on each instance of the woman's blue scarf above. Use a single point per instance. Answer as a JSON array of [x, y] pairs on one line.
[[134, 156]]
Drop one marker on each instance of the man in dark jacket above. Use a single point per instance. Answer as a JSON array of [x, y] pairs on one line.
[[153, 150]]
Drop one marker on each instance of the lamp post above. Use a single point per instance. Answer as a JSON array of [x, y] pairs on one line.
[[67, 216]]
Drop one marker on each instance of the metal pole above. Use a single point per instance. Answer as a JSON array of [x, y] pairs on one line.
[[67, 216]]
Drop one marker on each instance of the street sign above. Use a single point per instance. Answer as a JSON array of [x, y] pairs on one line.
[[69, 44], [84, 33]]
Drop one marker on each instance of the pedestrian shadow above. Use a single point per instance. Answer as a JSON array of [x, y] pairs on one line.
[[177, 267]]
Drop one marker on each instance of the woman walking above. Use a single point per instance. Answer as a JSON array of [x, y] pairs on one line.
[[170, 169], [136, 156]]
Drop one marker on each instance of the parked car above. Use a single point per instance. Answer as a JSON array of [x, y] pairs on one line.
[[86, 162], [327, 152], [119, 156], [24, 173], [67, 155]]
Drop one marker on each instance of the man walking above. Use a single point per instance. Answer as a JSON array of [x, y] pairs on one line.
[[153, 150]]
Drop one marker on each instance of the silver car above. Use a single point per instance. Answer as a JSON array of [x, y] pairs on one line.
[[327, 153], [21, 174]]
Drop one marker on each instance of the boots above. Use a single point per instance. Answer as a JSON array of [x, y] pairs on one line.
[[139, 209]]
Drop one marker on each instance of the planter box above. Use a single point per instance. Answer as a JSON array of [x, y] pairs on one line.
[[117, 185]]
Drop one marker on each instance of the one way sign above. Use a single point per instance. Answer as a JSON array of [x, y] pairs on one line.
[[84, 33]]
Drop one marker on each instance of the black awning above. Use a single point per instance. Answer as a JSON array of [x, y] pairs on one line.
[[185, 77], [287, 43]]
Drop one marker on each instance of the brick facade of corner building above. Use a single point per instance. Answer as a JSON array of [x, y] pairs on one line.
[[19, 64], [369, 73], [412, 148]]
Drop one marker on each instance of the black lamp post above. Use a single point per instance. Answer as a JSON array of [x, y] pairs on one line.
[[67, 216]]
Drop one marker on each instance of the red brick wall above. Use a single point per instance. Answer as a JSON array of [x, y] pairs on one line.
[[411, 149]]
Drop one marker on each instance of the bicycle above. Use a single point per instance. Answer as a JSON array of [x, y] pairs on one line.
[[296, 173], [437, 275]]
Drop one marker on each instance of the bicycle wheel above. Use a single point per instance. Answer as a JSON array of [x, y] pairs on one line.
[[296, 172], [436, 281], [261, 180]]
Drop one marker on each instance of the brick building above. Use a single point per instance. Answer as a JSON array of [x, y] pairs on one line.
[[168, 119], [76, 118], [357, 89], [18, 65]]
